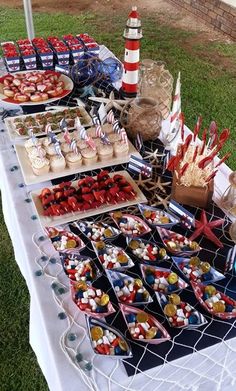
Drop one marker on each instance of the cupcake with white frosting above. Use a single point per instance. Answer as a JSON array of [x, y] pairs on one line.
[[120, 148], [46, 141], [81, 144], [57, 163], [40, 166], [105, 151], [29, 143], [33, 153], [114, 137], [73, 160], [65, 148], [50, 150], [107, 128], [89, 156], [91, 132]]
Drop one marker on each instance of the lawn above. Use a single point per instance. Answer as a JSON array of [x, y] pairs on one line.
[[208, 88]]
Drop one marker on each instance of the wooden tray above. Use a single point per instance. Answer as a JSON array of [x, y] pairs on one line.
[[30, 178], [14, 136], [46, 221]]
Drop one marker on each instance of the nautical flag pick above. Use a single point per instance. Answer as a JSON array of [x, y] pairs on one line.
[[138, 166], [231, 260], [187, 219], [57, 146]]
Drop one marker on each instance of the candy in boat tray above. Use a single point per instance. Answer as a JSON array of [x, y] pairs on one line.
[[107, 340], [128, 290], [146, 251], [176, 243], [130, 225], [215, 301], [63, 240], [112, 257], [97, 231], [143, 326], [196, 270], [79, 267], [178, 313], [162, 280], [91, 300], [157, 217]]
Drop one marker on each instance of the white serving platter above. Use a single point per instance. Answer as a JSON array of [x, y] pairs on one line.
[[47, 221], [30, 178], [68, 87], [86, 120]]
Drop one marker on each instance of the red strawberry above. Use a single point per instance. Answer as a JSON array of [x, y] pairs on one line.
[[56, 210], [89, 181], [128, 189], [123, 182], [109, 181], [66, 207], [95, 204], [58, 195], [117, 177], [99, 195], [86, 190], [69, 192], [86, 206], [47, 199], [81, 182], [114, 190], [88, 198], [95, 186], [44, 192], [65, 184], [103, 175], [72, 201]]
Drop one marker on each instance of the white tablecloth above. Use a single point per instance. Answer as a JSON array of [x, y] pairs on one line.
[[209, 369]]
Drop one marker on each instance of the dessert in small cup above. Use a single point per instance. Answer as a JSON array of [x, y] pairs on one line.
[[57, 163], [196, 270], [89, 156], [97, 231], [146, 251], [157, 217], [143, 327], [112, 257], [128, 290], [177, 244], [40, 166], [214, 301], [130, 225], [91, 300], [162, 280], [79, 267], [105, 151], [106, 340], [73, 160], [178, 313]]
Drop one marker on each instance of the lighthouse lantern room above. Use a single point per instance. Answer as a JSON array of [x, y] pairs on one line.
[[132, 35]]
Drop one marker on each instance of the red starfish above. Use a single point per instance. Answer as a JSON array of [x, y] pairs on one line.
[[204, 227]]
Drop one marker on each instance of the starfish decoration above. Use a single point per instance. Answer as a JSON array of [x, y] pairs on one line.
[[159, 185], [204, 227], [110, 102], [160, 201], [153, 156], [143, 182]]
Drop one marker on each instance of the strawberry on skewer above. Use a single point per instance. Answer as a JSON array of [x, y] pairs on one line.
[[204, 134]]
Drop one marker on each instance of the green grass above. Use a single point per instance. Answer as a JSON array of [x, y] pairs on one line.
[[208, 88]]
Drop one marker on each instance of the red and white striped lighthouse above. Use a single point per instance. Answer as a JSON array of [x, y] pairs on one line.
[[132, 35]]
